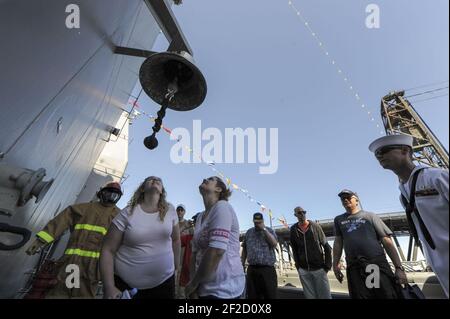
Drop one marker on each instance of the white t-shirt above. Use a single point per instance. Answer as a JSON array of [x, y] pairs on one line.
[[145, 259], [432, 203], [220, 230]]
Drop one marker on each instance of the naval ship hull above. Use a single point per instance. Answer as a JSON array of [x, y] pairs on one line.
[[62, 90]]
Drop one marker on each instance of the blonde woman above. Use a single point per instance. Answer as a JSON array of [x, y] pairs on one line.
[[216, 262], [142, 247]]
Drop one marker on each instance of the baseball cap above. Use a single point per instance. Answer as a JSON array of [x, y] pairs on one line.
[[347, 192], [181, 206], [194, 218], [258, 216]]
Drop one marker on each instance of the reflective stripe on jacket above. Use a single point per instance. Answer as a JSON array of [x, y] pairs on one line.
[[88, 224]]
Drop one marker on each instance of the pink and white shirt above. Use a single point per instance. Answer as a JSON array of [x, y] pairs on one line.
[[220, 229]]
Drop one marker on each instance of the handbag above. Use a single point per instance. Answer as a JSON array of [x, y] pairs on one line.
[[46, 279], [412, 292]]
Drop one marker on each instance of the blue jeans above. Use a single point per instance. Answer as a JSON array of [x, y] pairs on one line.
[[315, 284]]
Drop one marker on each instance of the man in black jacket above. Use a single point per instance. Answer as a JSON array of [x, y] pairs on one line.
[[312, 256]]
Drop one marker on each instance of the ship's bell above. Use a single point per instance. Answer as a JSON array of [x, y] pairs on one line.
[[160, 71]]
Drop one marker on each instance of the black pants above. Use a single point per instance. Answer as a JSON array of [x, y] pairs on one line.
[[166, 290], [357, 275], [262, 282]]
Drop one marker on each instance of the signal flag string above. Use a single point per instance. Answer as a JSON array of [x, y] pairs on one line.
[[333, 62], [212, 166]]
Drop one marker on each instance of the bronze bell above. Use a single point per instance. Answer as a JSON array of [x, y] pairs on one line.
[[160, 71]]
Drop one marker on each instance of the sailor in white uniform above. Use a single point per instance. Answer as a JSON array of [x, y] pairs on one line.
[[427, 208]]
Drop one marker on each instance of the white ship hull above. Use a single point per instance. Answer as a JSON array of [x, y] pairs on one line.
[[61, 91]]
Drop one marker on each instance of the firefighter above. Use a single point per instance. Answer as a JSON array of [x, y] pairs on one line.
[[88, 224]]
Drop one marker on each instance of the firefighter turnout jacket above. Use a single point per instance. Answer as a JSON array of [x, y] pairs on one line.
[[88, 224]]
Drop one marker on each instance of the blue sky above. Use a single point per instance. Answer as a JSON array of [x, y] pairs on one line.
[[265, 70]]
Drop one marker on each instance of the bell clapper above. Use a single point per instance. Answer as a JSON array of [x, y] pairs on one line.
[[151, 142]]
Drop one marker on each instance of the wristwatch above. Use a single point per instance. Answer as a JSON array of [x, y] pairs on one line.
[[400, 268]]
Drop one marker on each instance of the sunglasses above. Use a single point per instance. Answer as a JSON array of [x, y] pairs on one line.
[[387, 149]]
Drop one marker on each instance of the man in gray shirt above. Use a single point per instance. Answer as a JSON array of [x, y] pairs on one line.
[[363, 235], [259, 248]]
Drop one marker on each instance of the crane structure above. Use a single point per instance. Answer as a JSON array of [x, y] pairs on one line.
[[400, 117]]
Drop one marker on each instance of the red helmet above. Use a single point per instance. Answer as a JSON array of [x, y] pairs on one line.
[[113, 185]]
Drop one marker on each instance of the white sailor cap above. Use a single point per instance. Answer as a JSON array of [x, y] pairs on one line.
[[391, 140]]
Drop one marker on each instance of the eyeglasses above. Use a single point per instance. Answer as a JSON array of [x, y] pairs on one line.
[[387, 149], [300, 212]]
